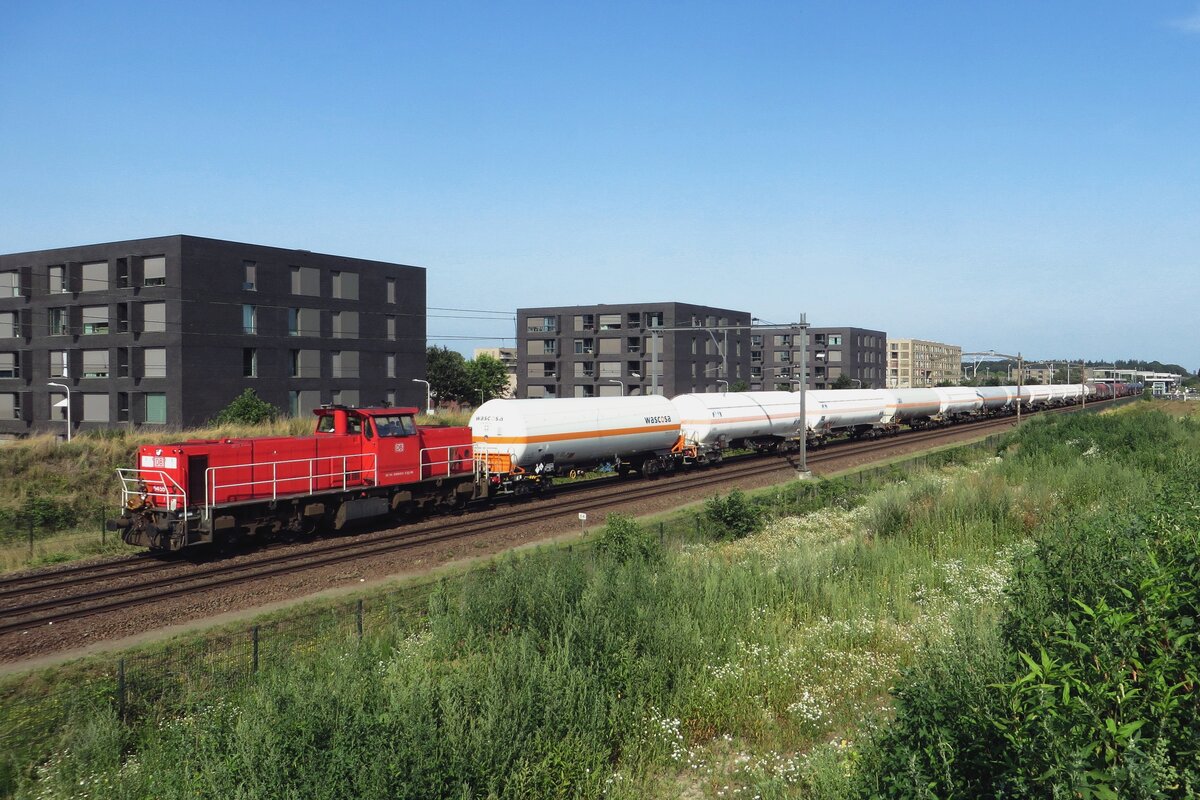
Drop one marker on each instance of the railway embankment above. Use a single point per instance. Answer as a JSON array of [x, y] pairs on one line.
[[1012, 623]]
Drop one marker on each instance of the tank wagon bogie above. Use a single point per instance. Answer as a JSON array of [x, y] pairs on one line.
[[359, 463]]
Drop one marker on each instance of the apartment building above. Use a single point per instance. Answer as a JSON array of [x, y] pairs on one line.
[[916, 363], [169, 330], [606, 350], [858, 354]]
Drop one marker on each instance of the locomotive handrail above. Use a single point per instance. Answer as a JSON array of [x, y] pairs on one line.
[[139, 478], [448, 462], [363, 473]]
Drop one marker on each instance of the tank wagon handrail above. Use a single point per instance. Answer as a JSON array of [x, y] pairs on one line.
[[212, 486], [133, 481], [448, 462]]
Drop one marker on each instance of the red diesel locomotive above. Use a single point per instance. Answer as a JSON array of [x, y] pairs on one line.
[[359, 463]]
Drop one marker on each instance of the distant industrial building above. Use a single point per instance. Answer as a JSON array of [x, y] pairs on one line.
[[605, 350], [169, 330], [858, 354], [922, 363]]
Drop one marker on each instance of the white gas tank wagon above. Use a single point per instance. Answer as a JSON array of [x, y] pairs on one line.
[[531, 440]]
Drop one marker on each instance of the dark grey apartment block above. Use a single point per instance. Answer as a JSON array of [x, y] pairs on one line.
[[860, 354], [606, 350], [169, 330]]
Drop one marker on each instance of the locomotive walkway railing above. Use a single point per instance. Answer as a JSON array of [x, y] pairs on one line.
[[154, 485], [308, 476], [437, 462]]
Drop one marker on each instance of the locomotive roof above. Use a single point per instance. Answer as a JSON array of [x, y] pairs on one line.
[[369, 412]]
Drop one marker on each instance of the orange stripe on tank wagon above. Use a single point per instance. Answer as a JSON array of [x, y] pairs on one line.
[[565, 437]]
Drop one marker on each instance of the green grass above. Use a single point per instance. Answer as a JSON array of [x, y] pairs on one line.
[[686, 664]]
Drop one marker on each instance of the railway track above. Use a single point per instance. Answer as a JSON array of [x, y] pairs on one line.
[[65, 594]]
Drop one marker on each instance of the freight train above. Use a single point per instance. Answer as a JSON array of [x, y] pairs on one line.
[[376, 462]]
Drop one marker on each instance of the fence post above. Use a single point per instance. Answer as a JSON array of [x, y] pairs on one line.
[[254, 637], [661, 532], [103, 537], [121, 689], [359, 616], [31, 537], [697, 519]]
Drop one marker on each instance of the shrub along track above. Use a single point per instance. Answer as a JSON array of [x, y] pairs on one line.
[[163, 589]]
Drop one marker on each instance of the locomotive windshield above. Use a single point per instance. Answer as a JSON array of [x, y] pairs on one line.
[[395, 425]]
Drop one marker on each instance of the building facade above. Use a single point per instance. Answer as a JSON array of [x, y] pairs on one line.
[[918, 363], [858, 354], [606, 350], [169, 330]]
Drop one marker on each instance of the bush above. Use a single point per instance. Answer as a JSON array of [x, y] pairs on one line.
[[247, 409], [735, 516], [624, 541]]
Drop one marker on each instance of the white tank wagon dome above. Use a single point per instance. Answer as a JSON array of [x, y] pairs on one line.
[[572, 431]]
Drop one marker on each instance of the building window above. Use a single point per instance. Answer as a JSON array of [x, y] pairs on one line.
[[154, 271], [95, 320], [345, 363], [95, 363], [250, 276], [156, 408], [345, 324], [154, 317], [301, 403], [391, 327], [10, 365], [391, 290], [95, 408], [345, 397], [835, 341], [610, 369], [584, 346], [154, 362], [8, 324], [391, 365], [306, 281], [249, 362], [10, 284], [306, 363], [249, 319], [610, 322], [94, 276], [58, 364], [304, 322], [345, 285], [585, 322], [58, 279], [122, 406], [10, 405]]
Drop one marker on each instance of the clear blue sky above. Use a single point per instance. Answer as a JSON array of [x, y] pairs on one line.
[[1001, 175]]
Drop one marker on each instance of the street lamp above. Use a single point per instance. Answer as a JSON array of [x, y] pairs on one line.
[[428, 395], [68, 401], [856, 380], [622, 383], [720, 381]]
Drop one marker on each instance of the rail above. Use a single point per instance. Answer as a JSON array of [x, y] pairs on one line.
[[305, 481], [448, 460]]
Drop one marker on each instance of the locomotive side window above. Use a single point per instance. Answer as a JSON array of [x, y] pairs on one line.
[[325, 423], [395, 425]]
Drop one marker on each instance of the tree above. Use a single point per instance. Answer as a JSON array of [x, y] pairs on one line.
[[487, 377], [739, 386], [843, 382], [446, 371], [248, 409]]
